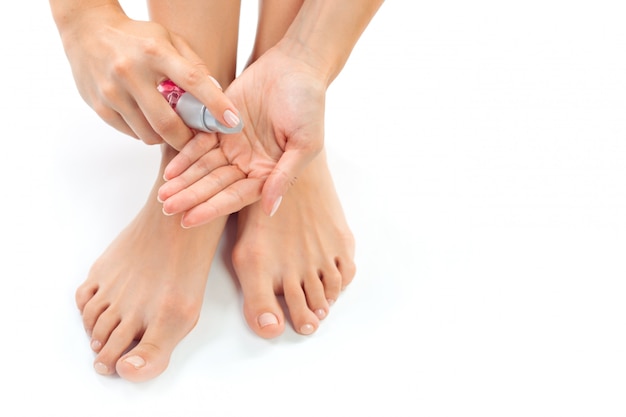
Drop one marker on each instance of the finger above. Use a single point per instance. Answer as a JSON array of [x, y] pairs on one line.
[[158, 116], [205, 166], [202, 190], [141, 128], [283, 176], [120, 111], [189, 154], [230, 200], [115, 120], [189, 72]]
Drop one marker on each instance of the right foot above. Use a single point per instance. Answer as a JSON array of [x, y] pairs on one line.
[[144, 294]]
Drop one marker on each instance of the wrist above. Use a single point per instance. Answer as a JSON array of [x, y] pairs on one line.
[[309, 58], [324, 33], [71, 18]]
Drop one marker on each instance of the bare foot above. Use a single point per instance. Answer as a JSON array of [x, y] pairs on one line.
[[146, 288], [304, 252]]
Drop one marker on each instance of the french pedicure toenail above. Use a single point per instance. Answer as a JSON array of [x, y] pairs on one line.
[[321, 313], [307, 329], [101, 368], [136, 361], [267, 319], [96, 345]]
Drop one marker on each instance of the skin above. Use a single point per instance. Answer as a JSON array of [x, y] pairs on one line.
[[283, 94], [144, 293], [146, 290], [117, 63], [305, 252]]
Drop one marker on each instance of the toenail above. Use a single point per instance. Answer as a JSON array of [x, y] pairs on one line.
[[96, 345], [267, 319], [101, 368], [307, 329], [136, 361], [330, 301], [321, 313]]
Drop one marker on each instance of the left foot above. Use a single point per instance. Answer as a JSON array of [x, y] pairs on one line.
[[304, 252]]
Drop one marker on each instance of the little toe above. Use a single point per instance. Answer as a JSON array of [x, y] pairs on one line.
[[84, 294], [331, 280], [304, 320], [347, 270]]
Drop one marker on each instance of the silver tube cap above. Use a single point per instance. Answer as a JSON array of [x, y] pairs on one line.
[[197, 116]]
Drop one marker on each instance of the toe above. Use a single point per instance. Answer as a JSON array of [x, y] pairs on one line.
[[304, 320], [262, 309], [315, 296], [83, 294], [106, 323], [91, 312], [347, 269], [332, 283], [118, 342], [151, 356]]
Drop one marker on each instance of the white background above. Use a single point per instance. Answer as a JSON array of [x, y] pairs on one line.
[[479, 150]]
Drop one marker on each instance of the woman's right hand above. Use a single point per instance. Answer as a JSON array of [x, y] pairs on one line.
[[117, 64]]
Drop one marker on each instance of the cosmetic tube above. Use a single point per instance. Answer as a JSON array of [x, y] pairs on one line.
[[192, 111]]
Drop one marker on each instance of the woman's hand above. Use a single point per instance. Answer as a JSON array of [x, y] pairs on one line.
[[117, 64], [282, 102]]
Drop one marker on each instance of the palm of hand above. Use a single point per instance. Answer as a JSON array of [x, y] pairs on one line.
[[282, 106]]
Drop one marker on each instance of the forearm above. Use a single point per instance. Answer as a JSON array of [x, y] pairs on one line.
[[324, 33]]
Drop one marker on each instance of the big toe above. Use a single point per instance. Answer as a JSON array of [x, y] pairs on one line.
[[151, 356], [144, 362], [263, 313]]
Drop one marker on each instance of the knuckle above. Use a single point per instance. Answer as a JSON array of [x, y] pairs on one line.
[[195, 74], [121, 67]]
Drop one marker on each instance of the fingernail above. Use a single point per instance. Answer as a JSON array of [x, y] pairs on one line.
[[231, 118], [217, 84], [136, 361], [165, 212], [307, 329], [101, 368], [276, 205], [267, 319]]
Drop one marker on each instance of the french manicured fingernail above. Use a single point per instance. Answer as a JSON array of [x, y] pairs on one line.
[[231, 118], [307, 329], [267, 319], [136, 361], [276, 205], [217, 84]]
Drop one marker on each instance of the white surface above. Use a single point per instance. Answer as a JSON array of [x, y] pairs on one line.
[[479, 150]]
